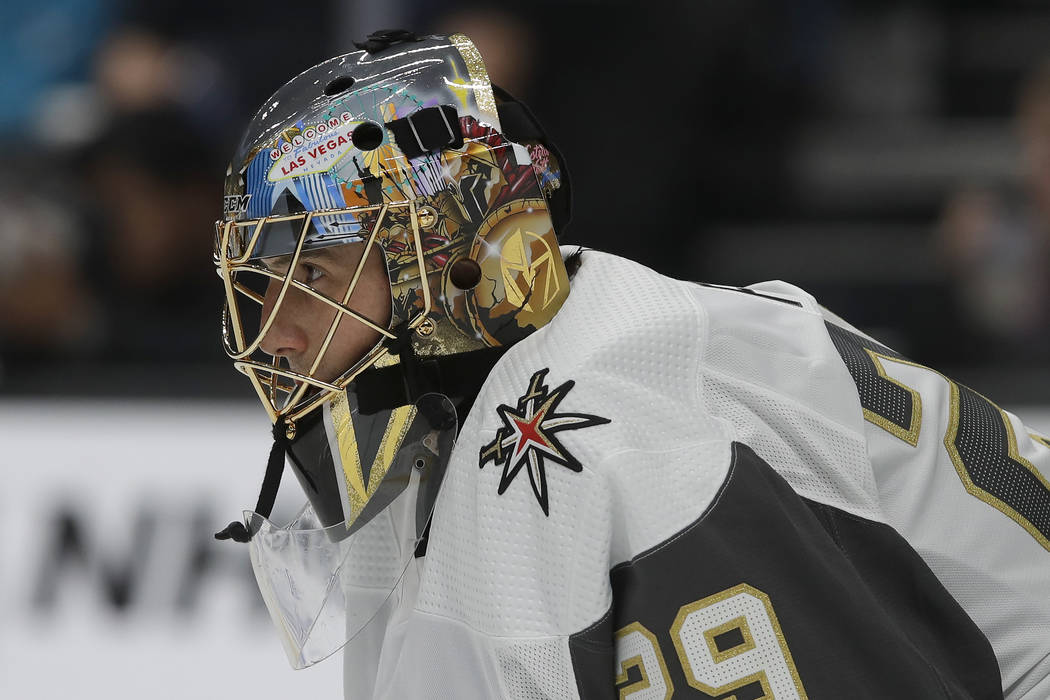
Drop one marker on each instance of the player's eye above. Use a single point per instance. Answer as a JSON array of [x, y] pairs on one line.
[[309, 273]]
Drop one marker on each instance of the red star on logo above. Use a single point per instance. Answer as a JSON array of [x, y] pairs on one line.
[[530, 433]]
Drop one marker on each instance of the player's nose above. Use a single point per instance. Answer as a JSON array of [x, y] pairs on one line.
[[285, 337]]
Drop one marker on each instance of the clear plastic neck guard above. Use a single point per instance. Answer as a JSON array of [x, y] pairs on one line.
[[323, 584]]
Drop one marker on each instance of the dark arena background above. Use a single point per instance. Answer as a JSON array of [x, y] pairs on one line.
[[892, 158]]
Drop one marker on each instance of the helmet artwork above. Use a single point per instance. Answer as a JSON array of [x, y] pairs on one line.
[[398, 147]]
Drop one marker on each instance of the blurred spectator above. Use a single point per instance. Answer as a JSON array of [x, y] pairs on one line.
[[995, 244], [136, 70], [109, 262], [155, 187], [46, 308]]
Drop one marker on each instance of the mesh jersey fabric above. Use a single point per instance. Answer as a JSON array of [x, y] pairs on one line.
[[680, 371]]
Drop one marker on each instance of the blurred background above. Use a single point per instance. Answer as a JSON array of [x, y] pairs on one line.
[[893, 158]]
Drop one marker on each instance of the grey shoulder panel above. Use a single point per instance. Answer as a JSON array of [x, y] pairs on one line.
[[852, 609]]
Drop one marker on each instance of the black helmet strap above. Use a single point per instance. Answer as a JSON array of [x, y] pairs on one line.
[[429, 129], [457, 376], [236, 530]]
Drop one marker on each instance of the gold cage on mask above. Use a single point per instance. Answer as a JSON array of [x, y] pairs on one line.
[[284, 392]]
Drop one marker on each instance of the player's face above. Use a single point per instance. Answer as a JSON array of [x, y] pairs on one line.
[[303, 321]]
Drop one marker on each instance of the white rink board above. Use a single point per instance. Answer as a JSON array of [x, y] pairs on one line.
[[120, 611], [111, 585]]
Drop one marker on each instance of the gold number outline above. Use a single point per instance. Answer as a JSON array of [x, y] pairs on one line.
[[690, 676], [638, 661], [1012, 449], [737, 623], [910, 434], [1012, 452]]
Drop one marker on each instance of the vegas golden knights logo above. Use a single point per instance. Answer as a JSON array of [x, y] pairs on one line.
[[520, 277], [527, 438]]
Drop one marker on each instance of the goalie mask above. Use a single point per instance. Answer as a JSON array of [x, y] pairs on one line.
[[388, 231]]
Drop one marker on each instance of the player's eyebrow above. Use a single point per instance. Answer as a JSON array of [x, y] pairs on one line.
[[280, 263]]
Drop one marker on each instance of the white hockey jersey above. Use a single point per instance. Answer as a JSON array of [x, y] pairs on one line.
[[689, 491]]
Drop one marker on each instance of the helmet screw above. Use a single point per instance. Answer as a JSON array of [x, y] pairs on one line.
[[426, 216], [367, 136], [289, 429], [465, 273], [426, 328]]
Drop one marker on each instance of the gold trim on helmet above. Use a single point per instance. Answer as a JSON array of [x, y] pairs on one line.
[[479, 76]]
